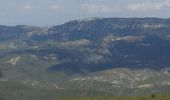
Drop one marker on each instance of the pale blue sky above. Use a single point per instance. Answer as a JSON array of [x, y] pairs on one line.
[[54, 12]]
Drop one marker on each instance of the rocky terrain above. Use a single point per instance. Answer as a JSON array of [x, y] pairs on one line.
[[86, 57]]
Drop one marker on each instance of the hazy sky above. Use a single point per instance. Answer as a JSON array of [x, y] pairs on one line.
[[53, 12]]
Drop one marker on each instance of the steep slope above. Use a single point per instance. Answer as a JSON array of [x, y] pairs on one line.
[[116, 42], [85, 57], [94, 45]]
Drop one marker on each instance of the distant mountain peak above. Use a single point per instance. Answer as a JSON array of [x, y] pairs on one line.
[[88, 19]]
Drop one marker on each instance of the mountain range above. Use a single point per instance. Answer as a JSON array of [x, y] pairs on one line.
[[103, 54]]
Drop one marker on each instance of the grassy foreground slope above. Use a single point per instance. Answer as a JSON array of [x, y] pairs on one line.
[[152, 97]]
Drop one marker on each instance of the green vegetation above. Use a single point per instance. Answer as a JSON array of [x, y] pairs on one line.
[[2, 98], [93, 60], [151, 97]]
